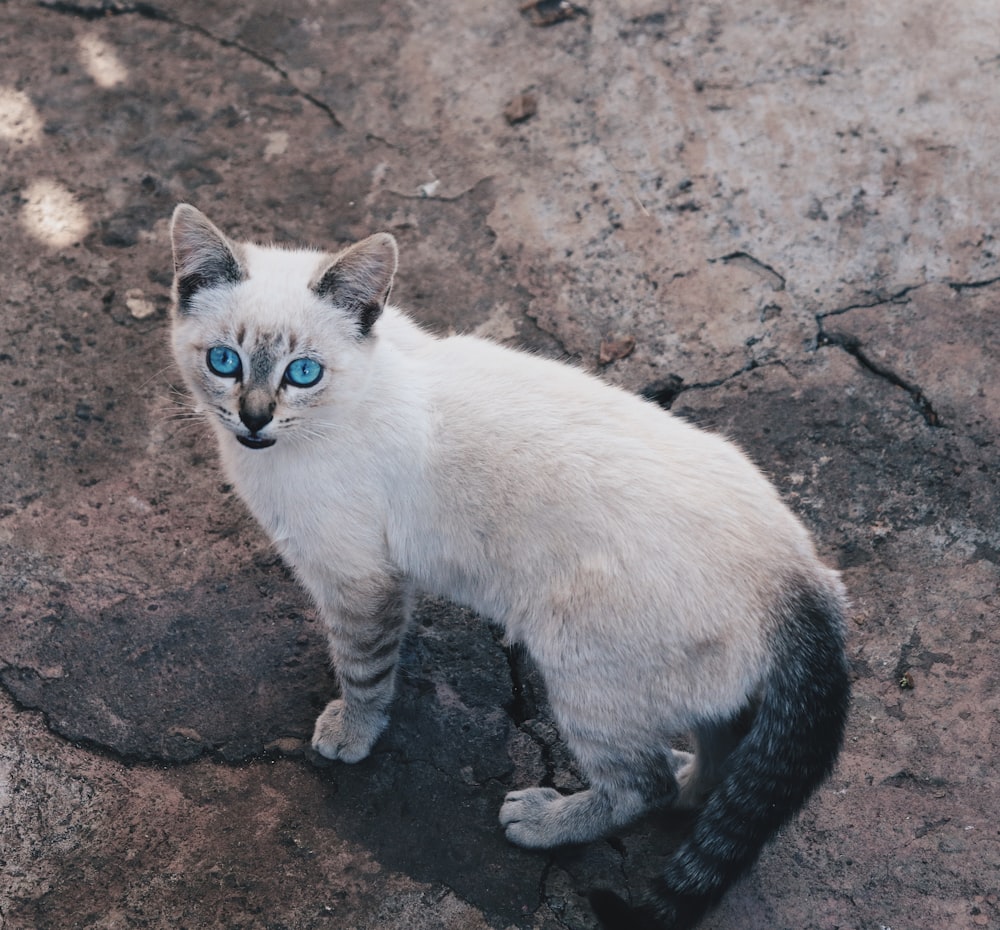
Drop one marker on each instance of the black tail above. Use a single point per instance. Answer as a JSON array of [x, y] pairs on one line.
[[789, 750]]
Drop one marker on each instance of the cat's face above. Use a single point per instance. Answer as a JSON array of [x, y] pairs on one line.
[[267, 338], [260, 376]]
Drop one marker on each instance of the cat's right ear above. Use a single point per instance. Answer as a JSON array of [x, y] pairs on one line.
[[203, 256]]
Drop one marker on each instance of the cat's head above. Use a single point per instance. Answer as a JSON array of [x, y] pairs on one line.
[[264, 336]]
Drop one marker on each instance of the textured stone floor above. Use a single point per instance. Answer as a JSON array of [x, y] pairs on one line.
[[778, 218]]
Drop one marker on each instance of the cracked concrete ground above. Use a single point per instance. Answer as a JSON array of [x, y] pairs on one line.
[[780, 220]]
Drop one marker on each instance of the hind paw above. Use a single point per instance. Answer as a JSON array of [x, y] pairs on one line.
[[527, 816]]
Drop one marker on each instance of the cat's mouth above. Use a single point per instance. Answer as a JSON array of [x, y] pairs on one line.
[[254, 442]]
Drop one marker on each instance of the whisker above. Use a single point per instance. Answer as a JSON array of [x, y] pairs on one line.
[[307, 433], [153, 377]]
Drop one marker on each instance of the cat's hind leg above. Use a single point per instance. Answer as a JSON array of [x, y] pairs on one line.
[[622, 788], [364, 639], [699, 772]]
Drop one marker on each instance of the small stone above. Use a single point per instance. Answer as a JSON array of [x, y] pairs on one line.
[[550, 12], [188, 733], [614, 348], [286, 746], [138, 305], [521, 108]]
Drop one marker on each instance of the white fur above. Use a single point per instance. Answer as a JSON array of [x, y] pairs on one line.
[[638, 559]]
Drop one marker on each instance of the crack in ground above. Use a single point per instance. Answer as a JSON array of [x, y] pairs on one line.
[[901, 296], [523, 706], [852, 344], [552, 902], [215, 751], [774, 278], [154, 13], [853, 347], [959, 286], [86, 743], [665, 391], [544, 899]]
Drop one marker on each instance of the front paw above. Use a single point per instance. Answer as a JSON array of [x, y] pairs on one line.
[[527, 817], [345, 735]]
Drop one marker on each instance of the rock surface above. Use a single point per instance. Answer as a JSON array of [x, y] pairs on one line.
[[780, 220]]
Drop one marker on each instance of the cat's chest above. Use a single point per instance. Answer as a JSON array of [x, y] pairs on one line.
[[311, 508]]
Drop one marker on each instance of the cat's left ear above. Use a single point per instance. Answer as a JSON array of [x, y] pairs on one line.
[[360, 278]]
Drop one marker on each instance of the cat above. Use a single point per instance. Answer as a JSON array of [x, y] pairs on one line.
[[652, 573]]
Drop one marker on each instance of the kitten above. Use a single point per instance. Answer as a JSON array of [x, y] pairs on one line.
[[652, 573]]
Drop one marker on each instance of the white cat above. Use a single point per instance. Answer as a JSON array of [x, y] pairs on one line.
[[652, 573]]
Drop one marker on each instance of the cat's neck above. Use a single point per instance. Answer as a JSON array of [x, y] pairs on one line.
[[366, 445]]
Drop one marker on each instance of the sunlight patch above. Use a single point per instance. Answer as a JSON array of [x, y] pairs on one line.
[[101, 62], [19, 120], [52, 214]]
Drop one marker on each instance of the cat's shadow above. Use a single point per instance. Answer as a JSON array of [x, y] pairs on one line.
[[425, 802], [469, 723], [238, 669]]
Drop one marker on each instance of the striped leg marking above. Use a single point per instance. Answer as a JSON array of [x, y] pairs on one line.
[[365, 653]]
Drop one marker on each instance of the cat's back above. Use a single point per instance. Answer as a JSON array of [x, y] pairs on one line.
[[563, 450], [539, 409]]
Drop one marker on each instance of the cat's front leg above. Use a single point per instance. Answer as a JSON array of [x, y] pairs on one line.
[[365, 633]]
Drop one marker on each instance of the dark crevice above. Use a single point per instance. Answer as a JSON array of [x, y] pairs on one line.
[[267, 62], [103, 10], [773, 277], [852, 346], [522, 705], [959, 286], [219, 753], [526, 706], [619, 847], [148, 11], [563, 351], [664, 391], [901, 296], [554, 909]]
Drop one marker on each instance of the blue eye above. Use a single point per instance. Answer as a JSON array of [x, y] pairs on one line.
[[224, 362], [304, 372]]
